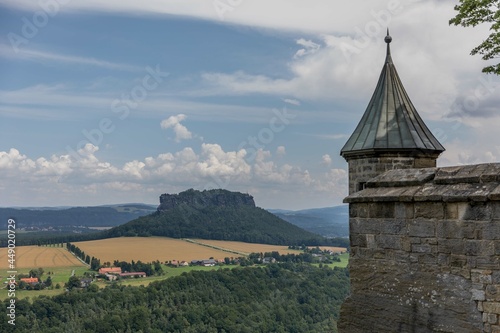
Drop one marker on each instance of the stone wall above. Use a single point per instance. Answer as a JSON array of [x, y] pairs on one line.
[[362, 170], [425, 252]]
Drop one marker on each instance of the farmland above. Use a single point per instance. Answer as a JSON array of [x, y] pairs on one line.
[[148, 249], [39, 256]]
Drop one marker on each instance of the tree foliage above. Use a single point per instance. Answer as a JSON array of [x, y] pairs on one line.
[[276, 298], [475, 12]]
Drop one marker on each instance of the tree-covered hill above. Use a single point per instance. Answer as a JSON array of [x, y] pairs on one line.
[[216, 214], [276, 298], [100, 216]]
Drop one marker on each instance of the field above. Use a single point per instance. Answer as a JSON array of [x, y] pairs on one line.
[[39, 256], [149, 249], [246, 248]]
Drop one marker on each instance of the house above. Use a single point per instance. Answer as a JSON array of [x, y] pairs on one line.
[[85, 282], [30, 280], [110, 270], [208, 262], [111, 277], [184, 263], [268, 260], [133, 274]]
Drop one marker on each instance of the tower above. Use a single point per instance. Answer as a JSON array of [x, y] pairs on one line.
[[391, 134]]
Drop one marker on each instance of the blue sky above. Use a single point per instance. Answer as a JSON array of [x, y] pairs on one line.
[[120, 101]]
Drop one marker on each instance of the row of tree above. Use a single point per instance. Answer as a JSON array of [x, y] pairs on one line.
[[93, 262]]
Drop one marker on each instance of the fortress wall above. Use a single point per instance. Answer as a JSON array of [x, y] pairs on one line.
[[425, 252]]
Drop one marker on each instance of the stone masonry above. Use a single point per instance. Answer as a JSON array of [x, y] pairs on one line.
[[425, 252], [363, 169]]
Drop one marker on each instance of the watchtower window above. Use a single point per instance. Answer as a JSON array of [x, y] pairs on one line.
[[361, 186]]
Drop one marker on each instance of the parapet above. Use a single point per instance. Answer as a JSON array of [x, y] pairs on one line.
[[479, 182]]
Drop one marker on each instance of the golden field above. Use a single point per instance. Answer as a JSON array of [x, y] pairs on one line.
[[149, 249], [246, 248], [39, 256]]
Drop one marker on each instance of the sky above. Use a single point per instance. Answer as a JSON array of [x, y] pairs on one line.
[[105, 102]]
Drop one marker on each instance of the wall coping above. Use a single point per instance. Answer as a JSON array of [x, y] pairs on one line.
[[480, 182]]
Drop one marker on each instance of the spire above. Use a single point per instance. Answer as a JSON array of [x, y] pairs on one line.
[[390, 124], [388, 40]]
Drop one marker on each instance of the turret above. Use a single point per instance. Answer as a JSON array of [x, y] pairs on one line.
[[391, 133]]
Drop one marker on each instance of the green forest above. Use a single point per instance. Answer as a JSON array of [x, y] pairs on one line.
[[284, 297]]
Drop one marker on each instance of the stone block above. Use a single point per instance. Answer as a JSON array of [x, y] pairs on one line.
[[491, 307], [455, 246], [458, 260], [443, 259], [388, 242], [479, 248], [428, 259], [364, 226], [421, 228], [478, 295], [403, 210], [405, 244], [489, 229], [477, 211], [429, 210], [481, 276], [491, 262], [393, 226], [370, 241], [450, 229], [421, 248], [358, 240], [495, 277], [451, 210], [493, 292], [358, 210], [382, 210]]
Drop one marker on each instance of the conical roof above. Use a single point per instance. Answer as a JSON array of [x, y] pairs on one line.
[[390, 124]]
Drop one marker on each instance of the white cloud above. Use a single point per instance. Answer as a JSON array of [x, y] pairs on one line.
[[85, 179], [291, 101], [174, 122], [326, 160], [309, 48], [280, 151], [35, 55]]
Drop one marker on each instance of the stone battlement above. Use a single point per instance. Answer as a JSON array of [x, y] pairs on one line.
[[425, 252]]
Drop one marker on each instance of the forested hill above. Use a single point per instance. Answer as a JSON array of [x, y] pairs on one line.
[[216, 214]]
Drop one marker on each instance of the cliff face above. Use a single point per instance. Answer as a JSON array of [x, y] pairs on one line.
[[202, 199]]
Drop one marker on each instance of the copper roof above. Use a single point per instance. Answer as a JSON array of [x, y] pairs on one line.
[[390, 123]]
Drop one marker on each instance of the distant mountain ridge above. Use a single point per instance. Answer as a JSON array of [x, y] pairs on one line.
[[328, 222], [97, 216]]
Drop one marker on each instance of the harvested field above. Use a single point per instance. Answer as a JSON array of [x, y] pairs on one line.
[[148, 249], [246, 248], [39, 256]]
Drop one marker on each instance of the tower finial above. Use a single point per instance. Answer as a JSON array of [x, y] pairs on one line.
[[388, 38]]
